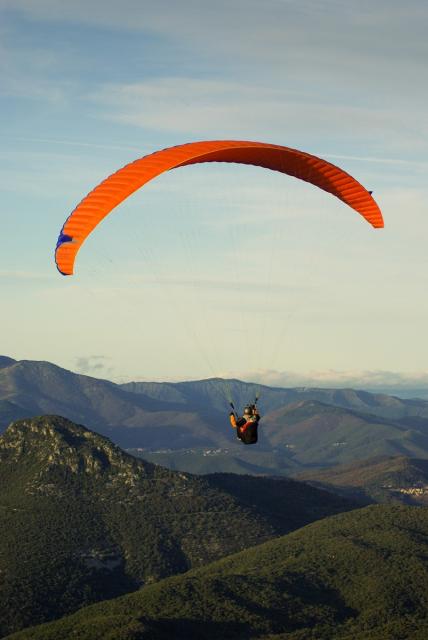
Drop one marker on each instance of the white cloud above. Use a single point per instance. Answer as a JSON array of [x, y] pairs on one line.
[[350, 46], [94, 365], [222, 108], [281, 69]]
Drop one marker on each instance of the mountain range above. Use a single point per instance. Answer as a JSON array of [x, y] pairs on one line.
[[82, 521], [171, 554], [177, 424]]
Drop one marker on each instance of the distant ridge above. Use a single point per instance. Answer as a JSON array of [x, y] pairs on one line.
[[300, 427], [383, 479], [308, 434], [5, 361]]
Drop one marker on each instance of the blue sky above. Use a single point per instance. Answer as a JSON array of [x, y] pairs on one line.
[[216, 269]]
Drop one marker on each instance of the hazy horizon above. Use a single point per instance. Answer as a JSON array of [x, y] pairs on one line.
[[405, 386]]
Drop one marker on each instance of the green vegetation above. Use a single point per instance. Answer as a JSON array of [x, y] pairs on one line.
[[81, 521], [359, 575]]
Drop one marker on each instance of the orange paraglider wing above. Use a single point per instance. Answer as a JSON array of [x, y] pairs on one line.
[[112, 191]]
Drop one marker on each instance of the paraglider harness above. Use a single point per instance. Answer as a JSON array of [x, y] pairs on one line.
[[247, 425]]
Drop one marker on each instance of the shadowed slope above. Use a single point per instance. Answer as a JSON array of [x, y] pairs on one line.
[[357, 575], [81, 520]]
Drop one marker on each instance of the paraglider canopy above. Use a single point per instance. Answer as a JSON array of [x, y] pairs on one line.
[[116, 188]]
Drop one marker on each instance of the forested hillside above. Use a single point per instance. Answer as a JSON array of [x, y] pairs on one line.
[[81, 521], [361, 575]]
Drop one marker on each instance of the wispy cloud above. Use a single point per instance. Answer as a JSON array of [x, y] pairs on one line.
[[93, 85], [216, 108], [310, 41], [249, 25], [31, 74], [94, 365], [405, 162], [79, 143], [289, 70]]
